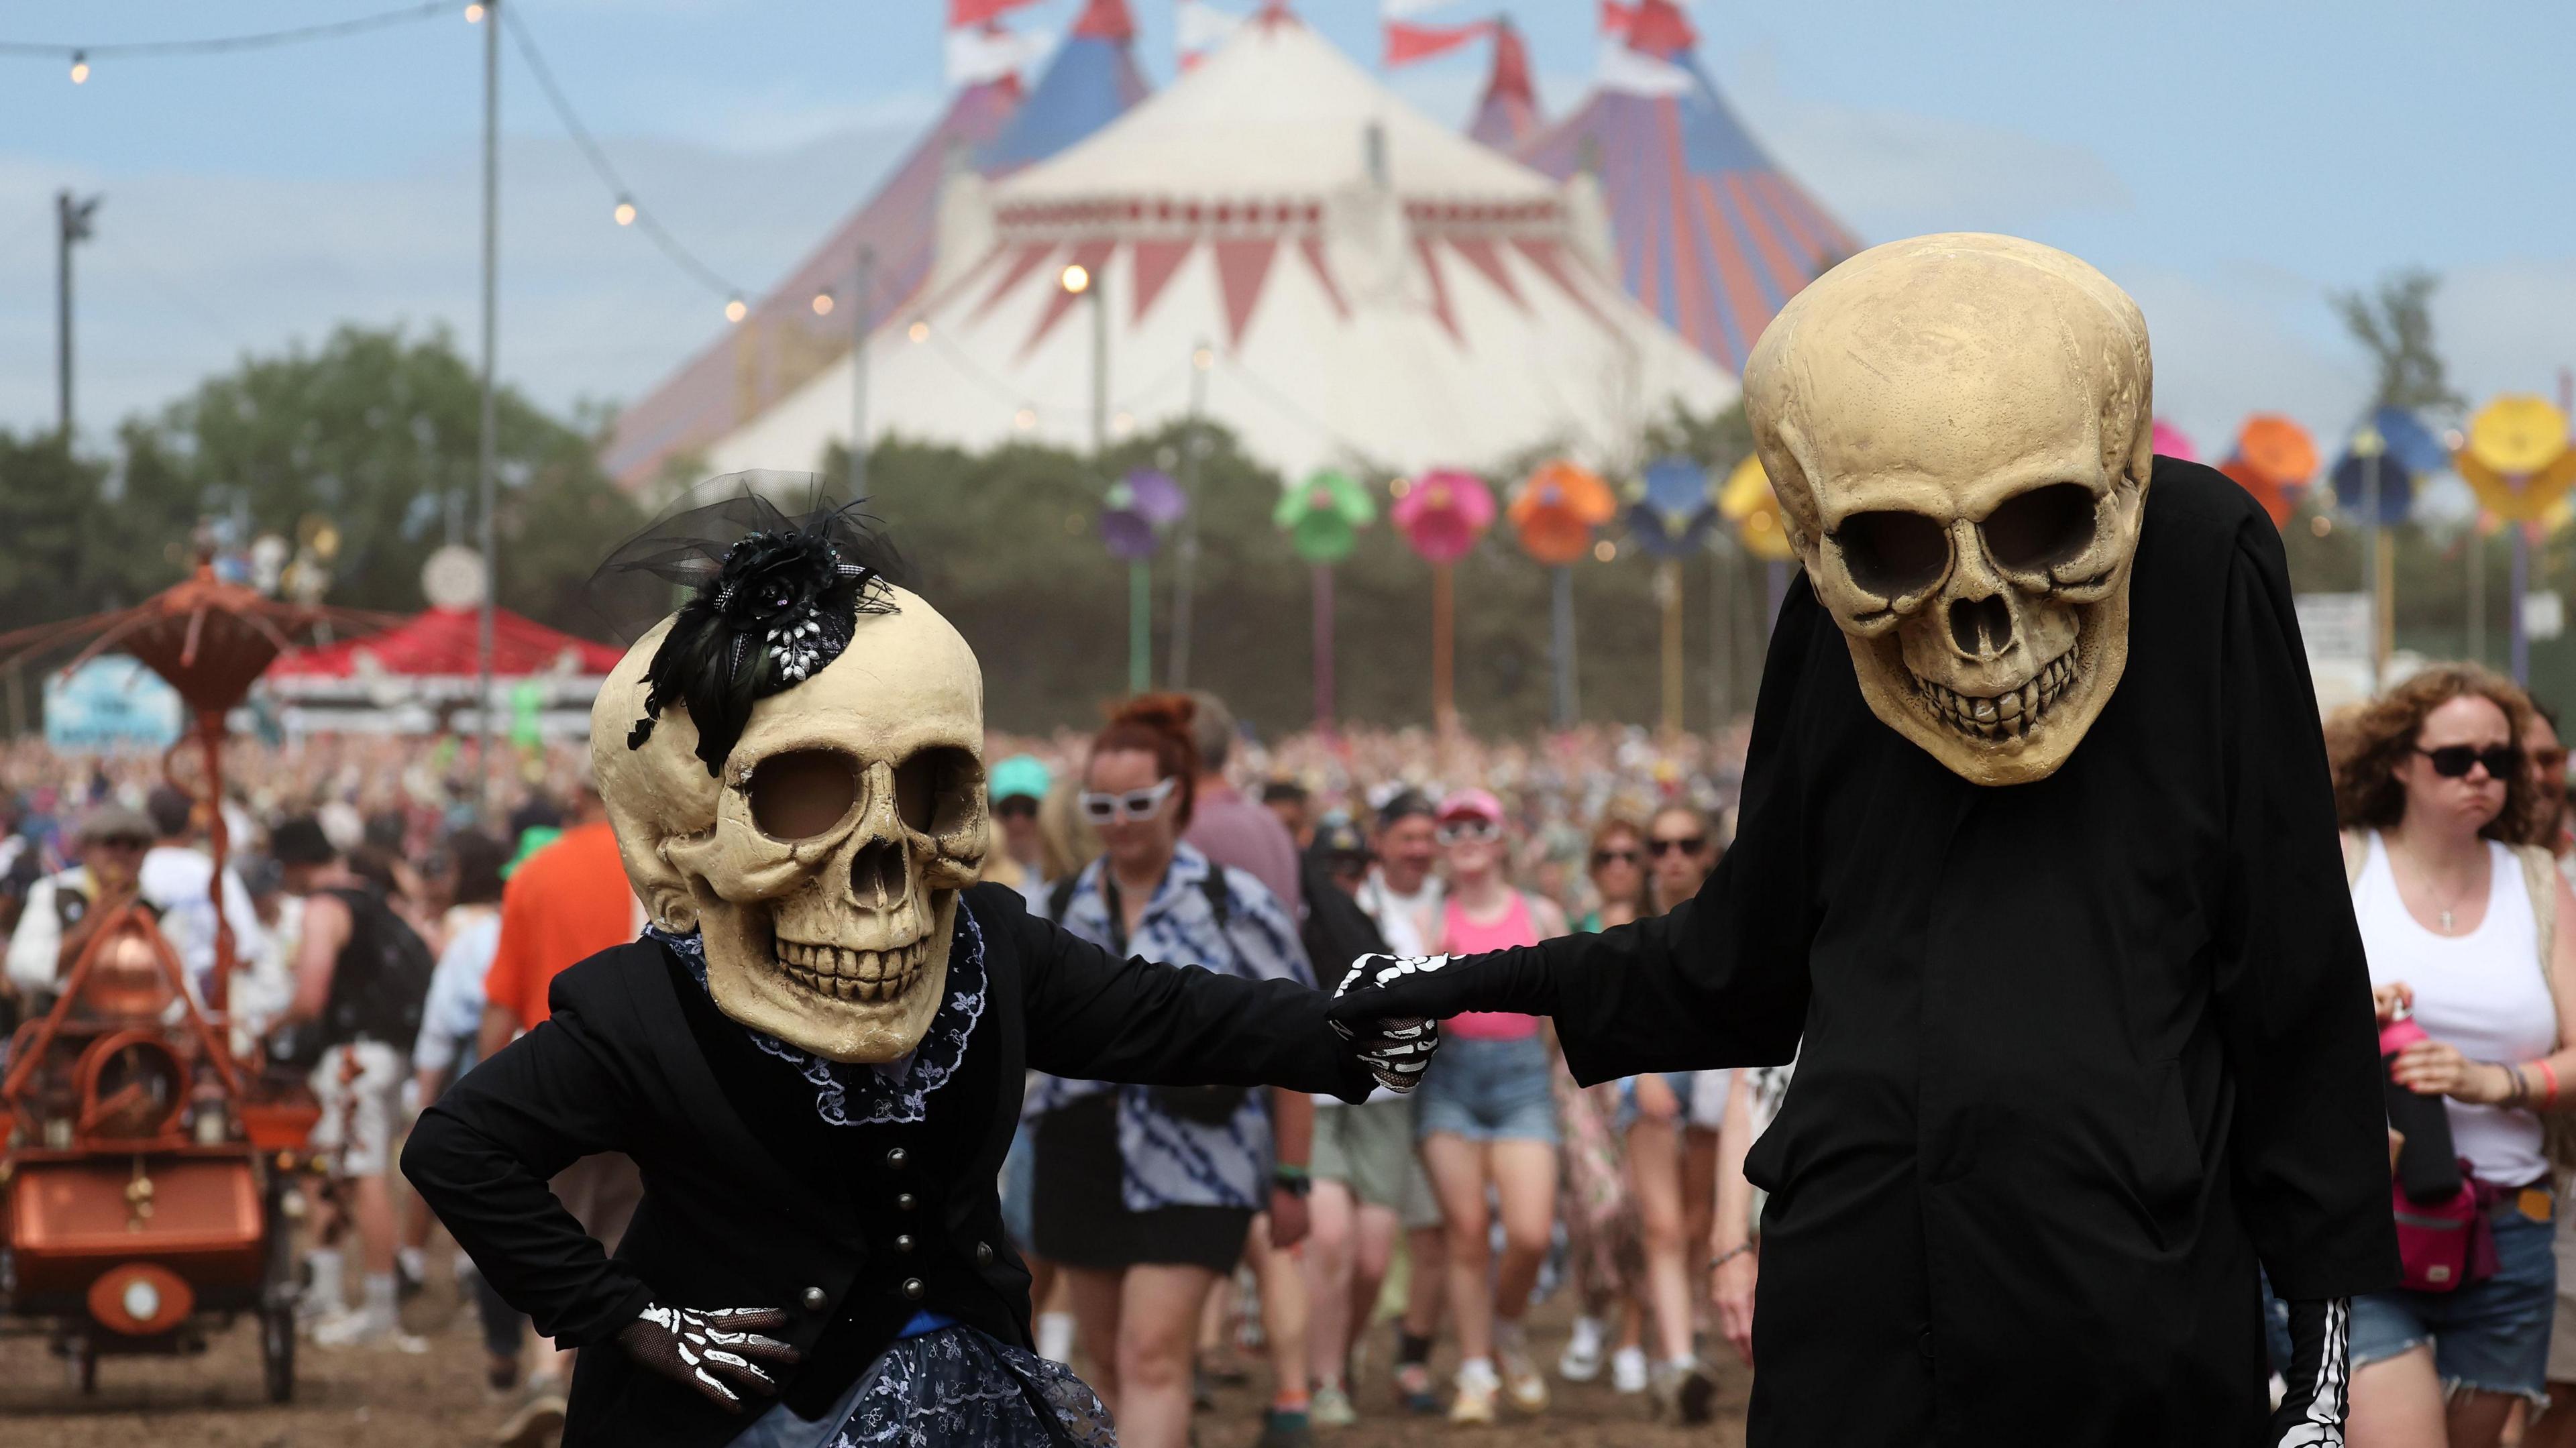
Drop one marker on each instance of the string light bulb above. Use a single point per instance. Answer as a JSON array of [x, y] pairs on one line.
[[1605, 550], [736, 310], [625, 212], [473, 14], [1076, 279], [1204, 358], [80, 67], [822, 304], [919, 332], [1024, 419]]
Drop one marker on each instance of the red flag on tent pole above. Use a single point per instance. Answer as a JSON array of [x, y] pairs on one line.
[[962, 13], [1406, 44], [1616, 18]]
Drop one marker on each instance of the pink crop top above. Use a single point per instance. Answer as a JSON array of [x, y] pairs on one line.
[[1462, 936]]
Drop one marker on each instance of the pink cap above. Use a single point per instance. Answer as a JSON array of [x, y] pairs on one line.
[[1472, 804]]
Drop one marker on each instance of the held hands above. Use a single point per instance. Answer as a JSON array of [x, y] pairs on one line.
[[710, 1349], [1394, 1048]]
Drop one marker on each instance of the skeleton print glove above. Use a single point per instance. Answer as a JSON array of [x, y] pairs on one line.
[[2312, 1410], [709, 1349], [1395, 1049]]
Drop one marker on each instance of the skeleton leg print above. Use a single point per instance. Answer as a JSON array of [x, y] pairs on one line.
[[710, 1349], [1395, 1049]]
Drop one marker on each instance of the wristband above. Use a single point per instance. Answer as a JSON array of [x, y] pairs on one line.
[[1291, 1179], [2550, 1074], [1730, 1254]]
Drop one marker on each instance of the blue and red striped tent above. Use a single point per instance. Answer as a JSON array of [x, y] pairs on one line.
[[1090, 81], [1710, 234], [1508, 115]]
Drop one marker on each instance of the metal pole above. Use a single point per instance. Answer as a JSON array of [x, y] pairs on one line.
[[1186, 570], [2370, 548], [1140, 627], [1779, 571], [1323, 648], [1099, 365], [861, 296], [487, 449], [2477, 590], [1566, 708], [71, 225], [2521, 654], [1668, 591], [1721, 651]]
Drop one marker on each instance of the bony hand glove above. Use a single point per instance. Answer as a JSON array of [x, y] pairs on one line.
[[714, 1350], [1394, 1048]]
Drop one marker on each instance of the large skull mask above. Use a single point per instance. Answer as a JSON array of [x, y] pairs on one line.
[[822, 867], [1958, 429]]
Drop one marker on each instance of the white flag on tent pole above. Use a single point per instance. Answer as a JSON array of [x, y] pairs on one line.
[[1407, 9], [1635, 73], [1201, 27], [977, 55]]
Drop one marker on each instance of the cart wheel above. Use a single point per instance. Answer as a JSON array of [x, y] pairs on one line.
[[277, 1352]]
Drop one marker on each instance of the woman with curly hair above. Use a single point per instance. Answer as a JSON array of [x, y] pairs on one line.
[[2457, 910]]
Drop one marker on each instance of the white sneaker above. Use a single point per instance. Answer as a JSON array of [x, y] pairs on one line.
[[1523, 1385], [1331, 1408], [1581, 1360], [1477, 1387], [1628, 1370], [352, 1328]]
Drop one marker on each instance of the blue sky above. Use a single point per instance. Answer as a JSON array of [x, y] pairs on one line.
[[2228, 163]]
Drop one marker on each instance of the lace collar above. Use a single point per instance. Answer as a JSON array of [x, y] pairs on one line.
[[896, 1092]]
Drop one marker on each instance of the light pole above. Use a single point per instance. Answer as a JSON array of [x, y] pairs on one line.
[[72, 218], [1079, 280], [487, 444], [1185, 582], [860, 300]]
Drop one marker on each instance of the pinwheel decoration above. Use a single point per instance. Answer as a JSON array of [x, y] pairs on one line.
[[1322, 517], [1672, 515], [1134, 515], [2518, 461], [2170, 441], [2392, 451], [1555, 512], [1441, 515], [2274, 460], [1748, 502]]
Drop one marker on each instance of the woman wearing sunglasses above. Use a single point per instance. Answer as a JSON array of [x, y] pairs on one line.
[[1144, 1194], [1600, 1219], [2476, 934], [1488, 1118]]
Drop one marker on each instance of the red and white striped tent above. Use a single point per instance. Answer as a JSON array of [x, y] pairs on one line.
[[1370, 288]]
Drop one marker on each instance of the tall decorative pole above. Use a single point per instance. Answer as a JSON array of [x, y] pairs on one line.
[[2518, 461], [1670, 519], [1554, 512], [1135, 515], [863, 299], [487, 451], [1322, 517], [1442, 514]]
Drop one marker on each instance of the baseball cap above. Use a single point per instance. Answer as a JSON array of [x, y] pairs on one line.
[[116, 822], [1471, 804], [1019, 777], [1336, 838], [302, 841]]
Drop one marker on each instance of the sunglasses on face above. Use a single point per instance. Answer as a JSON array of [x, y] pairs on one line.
[[1688, 845], [1018, 806], [2452, 761], [1614, 857], [1134, 805], [1456, 830]]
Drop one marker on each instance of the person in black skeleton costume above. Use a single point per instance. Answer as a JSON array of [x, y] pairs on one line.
[[2037, 875], [815, 1052]]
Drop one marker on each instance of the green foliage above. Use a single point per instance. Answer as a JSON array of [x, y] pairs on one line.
[[2396, 324], [375, 433]]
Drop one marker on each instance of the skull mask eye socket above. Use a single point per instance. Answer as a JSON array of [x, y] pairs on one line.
[[935, 790], [1893, 555], [802, 793], [2041, 529]]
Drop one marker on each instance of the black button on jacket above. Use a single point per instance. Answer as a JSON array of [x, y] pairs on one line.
[[2077, 1054], [726, 1221]]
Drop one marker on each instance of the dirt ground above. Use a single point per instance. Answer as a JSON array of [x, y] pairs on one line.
[[364, 1397]]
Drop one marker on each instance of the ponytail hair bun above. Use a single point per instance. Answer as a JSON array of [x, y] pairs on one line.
[[1159, 725]]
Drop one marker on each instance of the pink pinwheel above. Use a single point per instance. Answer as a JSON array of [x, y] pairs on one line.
[[1442, 514]]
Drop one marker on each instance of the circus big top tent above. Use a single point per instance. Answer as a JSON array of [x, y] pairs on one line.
[[1091, 79], [1712, 235], [1368, 287]]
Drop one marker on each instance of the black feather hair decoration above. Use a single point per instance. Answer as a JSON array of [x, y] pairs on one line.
[[774, 602]]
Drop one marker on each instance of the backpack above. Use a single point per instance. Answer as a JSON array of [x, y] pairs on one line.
[[381, 984]]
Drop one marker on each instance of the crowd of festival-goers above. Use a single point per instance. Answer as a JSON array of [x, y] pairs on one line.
[[1346, 1235]]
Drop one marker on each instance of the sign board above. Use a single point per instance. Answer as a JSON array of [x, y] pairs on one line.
[[2544, 614], [2337, 628], [111, 702]]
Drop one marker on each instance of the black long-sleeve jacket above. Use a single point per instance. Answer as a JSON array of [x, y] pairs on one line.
[[835, 1239], [2073, 1056]]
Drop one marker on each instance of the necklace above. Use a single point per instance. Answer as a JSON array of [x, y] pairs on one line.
[[2445, 906]]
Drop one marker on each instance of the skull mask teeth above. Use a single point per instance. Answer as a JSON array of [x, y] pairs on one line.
[[1958, 430]]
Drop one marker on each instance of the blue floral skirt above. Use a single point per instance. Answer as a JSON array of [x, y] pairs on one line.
[[958, 1388]]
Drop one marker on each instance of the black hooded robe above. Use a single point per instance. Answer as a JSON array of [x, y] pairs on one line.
[[2077, 1054]]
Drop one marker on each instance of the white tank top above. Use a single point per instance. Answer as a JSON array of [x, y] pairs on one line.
[[2481, 992]]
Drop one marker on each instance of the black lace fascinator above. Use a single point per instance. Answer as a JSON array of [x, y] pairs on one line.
[[771, 599]]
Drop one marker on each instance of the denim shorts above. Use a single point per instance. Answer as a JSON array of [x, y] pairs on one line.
[[2490, 1336], [1489, 1091], [1680, 1083]]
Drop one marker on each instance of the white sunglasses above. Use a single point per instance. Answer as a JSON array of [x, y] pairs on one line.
[[1134, 805]]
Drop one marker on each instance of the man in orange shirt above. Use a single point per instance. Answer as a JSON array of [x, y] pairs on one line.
[[567, 902]]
